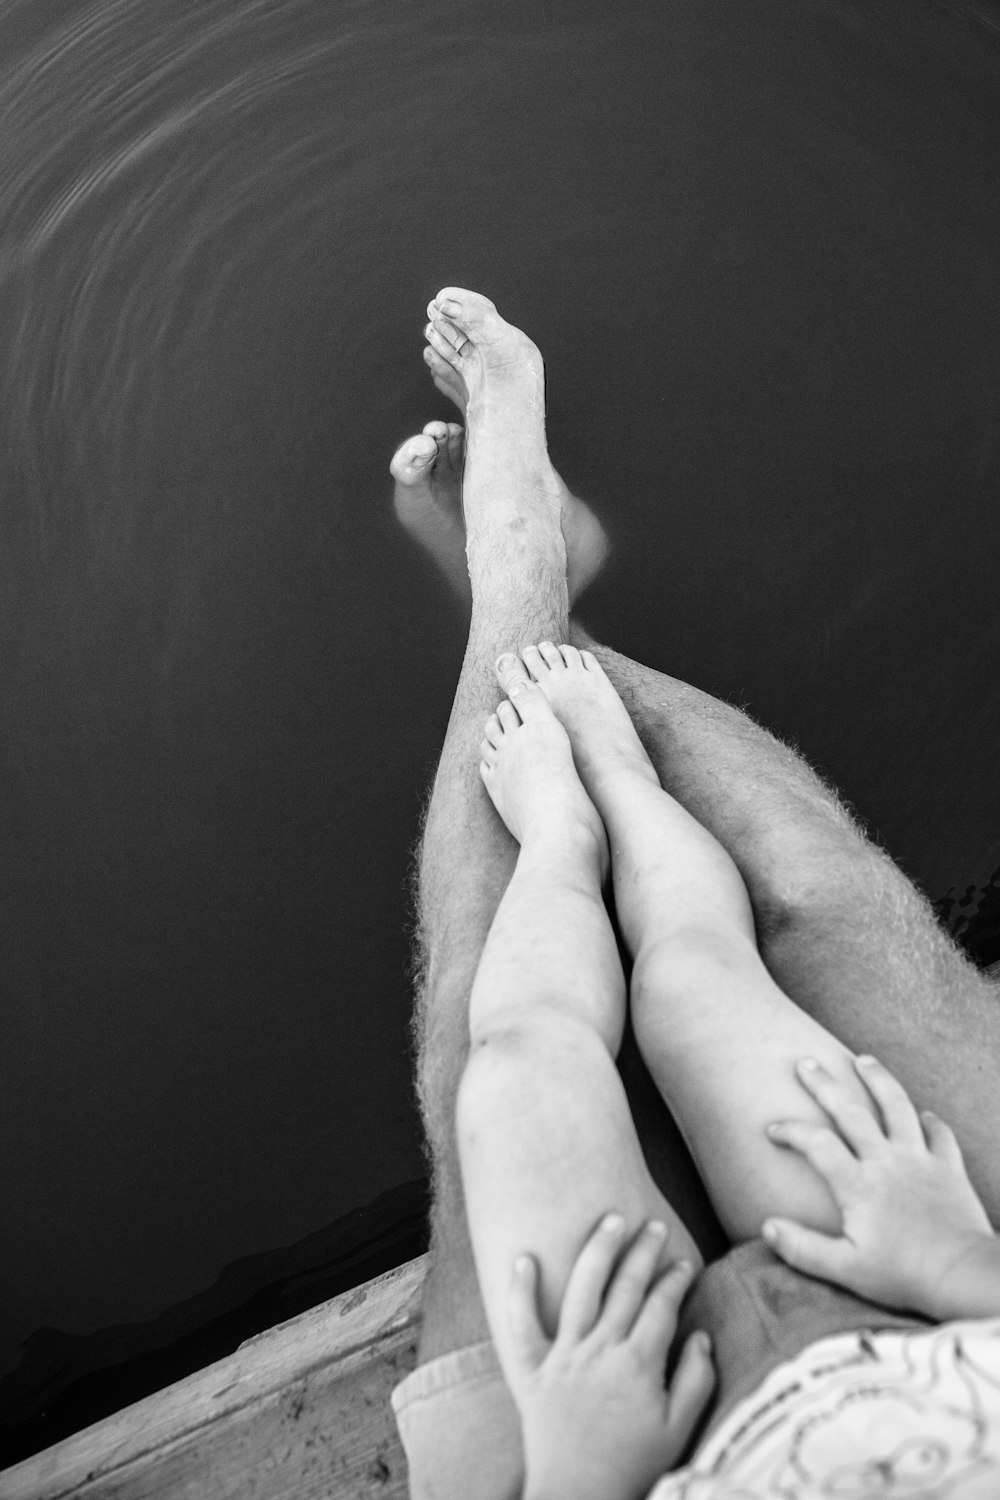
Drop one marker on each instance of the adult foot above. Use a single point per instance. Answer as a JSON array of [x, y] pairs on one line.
[[484, 354], [587, 544], [527, 769], [427, 469], [580, 694], [509, 480]]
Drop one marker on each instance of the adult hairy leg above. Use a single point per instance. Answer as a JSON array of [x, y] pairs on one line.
[[840, 927], [465, 855]]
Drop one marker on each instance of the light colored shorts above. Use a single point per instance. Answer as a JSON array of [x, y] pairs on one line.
[[459, 1426]]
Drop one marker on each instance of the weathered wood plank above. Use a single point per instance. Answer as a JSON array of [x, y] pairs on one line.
[[301, 1410]]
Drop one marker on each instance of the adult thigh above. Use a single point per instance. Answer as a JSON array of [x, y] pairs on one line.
[[858, 947], [452, 1313]]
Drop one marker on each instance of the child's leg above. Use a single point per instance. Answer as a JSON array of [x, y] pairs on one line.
[[717, 1034], [546, 1141]]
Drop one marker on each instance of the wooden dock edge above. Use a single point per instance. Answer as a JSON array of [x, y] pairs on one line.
[[301, 1410]]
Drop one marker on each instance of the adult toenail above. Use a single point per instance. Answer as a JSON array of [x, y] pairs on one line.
[[506, 662], [517, 687]]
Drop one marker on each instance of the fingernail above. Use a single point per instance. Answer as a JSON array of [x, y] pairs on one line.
[[808, 1064], [657, 1229], [865, 1060], [613, 1223], [704, 1341], [769, 1231], [773, 1128]]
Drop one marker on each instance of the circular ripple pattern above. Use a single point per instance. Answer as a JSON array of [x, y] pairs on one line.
[[170, 175]]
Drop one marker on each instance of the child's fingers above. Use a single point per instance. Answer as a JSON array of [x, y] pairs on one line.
[[630, 1284], [584, 1292], [807, 1250], [657, 1321], [529, 1340], [823, 1150], [690, 1389], [902, 1123], [852, 1118]]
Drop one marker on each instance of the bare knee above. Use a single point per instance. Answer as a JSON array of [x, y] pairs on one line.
[[855, 943], [850, 881], [818, 873]]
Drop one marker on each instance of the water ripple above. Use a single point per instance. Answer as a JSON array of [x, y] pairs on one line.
[[163, 164]]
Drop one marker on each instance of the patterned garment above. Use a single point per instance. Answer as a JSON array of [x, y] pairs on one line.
[[913, 1414]]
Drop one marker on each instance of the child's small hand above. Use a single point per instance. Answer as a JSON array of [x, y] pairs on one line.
[[596, 1415], [909, 1211]]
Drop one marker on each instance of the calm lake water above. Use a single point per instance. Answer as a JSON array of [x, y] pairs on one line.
[[759, 246]]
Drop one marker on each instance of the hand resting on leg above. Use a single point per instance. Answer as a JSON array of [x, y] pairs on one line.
[[914, 1235], [596, 1415]]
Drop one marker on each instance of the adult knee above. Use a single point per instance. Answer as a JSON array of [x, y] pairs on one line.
[[850, 923], [817, 875]]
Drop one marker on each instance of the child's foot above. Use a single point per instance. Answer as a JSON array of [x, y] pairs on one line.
[[527, 768], [584, 701]]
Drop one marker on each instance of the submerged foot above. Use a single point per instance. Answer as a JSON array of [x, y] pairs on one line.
[[527, 769], [583, 699], [427, 470]]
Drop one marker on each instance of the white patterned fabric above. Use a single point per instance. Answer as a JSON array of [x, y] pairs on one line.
[[907, 1413]]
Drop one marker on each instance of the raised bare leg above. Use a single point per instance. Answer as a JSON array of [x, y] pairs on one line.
[[722, 1035], [465, 855]]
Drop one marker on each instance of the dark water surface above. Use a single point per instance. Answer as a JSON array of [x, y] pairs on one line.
[[759, 246]]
